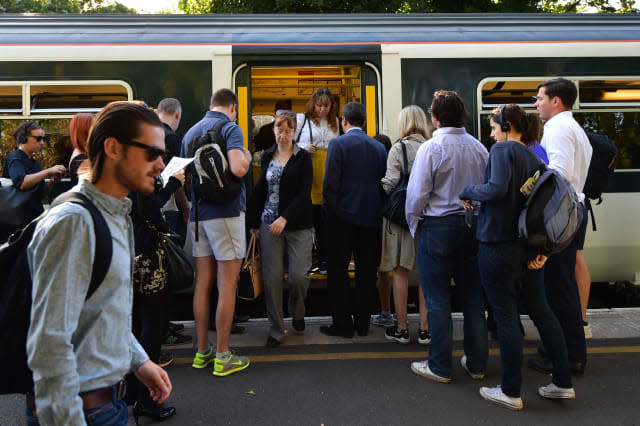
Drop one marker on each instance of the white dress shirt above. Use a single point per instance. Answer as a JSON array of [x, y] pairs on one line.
[[568, 149]]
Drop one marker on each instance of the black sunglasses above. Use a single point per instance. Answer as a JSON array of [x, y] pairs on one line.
[[152, 152], [38, 138]]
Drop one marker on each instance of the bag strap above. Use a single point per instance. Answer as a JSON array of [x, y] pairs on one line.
[[404, 158], [587, 204], [251, 252], [216, 133], [104, 244]]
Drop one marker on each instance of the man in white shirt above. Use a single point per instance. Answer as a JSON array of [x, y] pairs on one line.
[[569, 153]]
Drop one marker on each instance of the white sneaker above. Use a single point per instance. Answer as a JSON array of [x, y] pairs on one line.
[[421, 368], [474, 376], [552, 391], [587, 331], [496, 395]]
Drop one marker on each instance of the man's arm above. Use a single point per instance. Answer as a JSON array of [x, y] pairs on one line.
[[499, 180], [60, 261], [239, 158], [420, 184]]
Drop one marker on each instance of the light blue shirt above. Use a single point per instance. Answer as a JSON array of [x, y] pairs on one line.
[[75, 345], [444, 165]]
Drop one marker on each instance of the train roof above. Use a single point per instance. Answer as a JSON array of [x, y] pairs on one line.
[[314, 29]]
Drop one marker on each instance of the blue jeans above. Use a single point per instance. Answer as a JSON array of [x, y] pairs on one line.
[[114, 413], [447, 249], [504, 278]]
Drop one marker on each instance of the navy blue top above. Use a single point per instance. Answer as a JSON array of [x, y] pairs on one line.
[[510, 165], [233, 135], [17, 166], [352, 191]]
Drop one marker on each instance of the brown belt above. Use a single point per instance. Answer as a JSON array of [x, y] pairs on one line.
[[90, 399]]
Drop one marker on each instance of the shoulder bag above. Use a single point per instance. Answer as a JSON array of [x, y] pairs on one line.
[[250, 284], [393, 208]]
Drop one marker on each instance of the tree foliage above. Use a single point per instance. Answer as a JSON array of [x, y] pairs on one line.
[[403, 6], [62, 6]]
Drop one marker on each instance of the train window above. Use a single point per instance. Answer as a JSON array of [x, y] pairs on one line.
[[77, 97], [622, 127], [11, 99], [498, 92], [609, 93]]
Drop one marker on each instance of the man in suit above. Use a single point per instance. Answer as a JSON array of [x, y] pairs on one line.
[[352, 202]]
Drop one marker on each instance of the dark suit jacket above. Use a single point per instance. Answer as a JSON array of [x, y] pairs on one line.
[[295, 191], [352, 189]]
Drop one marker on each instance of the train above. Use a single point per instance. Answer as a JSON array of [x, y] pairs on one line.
[[53, 66]]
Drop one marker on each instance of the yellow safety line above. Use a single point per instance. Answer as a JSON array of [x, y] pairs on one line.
[[399, 355]]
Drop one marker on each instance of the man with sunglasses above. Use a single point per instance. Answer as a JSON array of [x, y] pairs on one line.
[[221, 243], [25, 171], [79, 350]]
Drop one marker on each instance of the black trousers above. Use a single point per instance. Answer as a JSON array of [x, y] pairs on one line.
[[343, 240], [150, 321], [562, 294], [320, 228]]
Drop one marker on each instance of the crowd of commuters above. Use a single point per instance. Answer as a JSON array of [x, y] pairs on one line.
[[322, 179]]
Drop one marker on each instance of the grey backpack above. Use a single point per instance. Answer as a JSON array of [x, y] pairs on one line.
[[552, 214]]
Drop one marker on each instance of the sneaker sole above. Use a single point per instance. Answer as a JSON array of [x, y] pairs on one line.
[[500, 402], [555, 395], [424, 342], [232, 370], [398, 339], [430, 377], [194, 365]]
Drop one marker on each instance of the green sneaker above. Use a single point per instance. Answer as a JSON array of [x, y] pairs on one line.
[[230, 365], [201, 361]]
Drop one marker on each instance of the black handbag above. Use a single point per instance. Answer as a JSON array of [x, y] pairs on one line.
[[393, 208], [163, 266], [15, 205]]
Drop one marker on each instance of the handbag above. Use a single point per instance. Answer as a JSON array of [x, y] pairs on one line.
[[250, 285], [15, 205], [394, 206], [163, 267]]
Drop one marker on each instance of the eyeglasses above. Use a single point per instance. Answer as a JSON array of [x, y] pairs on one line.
[[152, 152], [280, 131], [38, 138]]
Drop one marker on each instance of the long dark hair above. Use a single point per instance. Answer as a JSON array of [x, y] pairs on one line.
[[526, 124], [322, 97]]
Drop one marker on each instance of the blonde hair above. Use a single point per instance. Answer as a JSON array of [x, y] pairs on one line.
[[412, 120]]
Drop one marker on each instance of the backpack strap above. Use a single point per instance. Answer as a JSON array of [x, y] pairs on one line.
[[216, 133], [104, 245]]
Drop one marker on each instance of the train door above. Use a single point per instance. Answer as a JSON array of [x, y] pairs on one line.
[[261, 87]]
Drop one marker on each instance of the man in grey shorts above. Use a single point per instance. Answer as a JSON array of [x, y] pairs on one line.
[[221, 241]]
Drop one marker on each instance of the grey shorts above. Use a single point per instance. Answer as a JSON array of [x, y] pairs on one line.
[[222, 238]]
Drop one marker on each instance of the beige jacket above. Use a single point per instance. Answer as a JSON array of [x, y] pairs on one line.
[[395, 164]]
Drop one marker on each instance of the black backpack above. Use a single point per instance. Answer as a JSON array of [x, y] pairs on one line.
[[601, 168], [211, 179], [16, 287]]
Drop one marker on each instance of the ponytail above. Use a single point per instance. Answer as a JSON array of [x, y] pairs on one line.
[[531, 129]]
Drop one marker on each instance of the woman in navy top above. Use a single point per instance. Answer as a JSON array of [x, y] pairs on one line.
[[508, 268], [25, 172]]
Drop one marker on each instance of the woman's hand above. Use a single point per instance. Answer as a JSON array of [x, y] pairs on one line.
[[538, 262], [180, 176], [467, 204], [277, 227], [311, 148]]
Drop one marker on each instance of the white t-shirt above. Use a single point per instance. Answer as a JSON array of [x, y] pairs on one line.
[[321, 135], [568, 149]]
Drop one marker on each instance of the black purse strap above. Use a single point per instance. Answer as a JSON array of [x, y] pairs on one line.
[[404, 158]]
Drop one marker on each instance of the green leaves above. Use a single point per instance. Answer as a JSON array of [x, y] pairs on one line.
[[62, 6]]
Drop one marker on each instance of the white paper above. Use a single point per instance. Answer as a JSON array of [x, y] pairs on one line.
[[174, 165]]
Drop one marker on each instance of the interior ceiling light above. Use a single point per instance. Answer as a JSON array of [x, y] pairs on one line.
[[622, 95]]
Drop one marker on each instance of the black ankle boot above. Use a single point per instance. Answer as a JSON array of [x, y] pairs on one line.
[[155, 411]]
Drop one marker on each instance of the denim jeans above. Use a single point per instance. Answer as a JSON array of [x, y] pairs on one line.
[[114, 413], [504, 277], [447, 249]]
